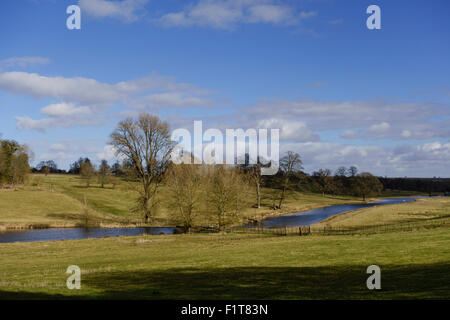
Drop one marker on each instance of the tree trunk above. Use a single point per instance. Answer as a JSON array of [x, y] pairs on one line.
[[258, 195], [146, 211], [282, 197], [283, 192]]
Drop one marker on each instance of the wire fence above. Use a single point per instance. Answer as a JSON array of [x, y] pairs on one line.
[[343, 230]]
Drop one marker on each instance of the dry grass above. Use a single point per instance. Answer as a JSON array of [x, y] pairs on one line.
[[58, 201], [431, 209]]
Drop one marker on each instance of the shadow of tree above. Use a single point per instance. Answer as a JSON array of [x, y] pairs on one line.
[[339, 282], [65, 216]]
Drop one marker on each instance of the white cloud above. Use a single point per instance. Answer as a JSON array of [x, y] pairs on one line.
[[289, 130], [108, 153], [268, 13], [78, 90], [58, 147], [226, 14], [379, 128], [65, 110], [406, 133], [60, 115], [349, 134], [379, 119], [125, 10], [84, 101], [23, 62], [430, 159]]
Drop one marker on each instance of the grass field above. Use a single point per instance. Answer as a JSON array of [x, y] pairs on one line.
[[413, 265], [58, 200], [420, 211]]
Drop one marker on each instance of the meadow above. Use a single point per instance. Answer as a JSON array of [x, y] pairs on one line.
[[63, 200], [414, 265], [421, 211]]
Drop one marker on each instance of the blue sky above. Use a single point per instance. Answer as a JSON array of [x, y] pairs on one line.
[[340, 93]]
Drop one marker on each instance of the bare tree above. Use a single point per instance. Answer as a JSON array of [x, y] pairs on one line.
[[289, 164], [185, 181], [87, 172], [352, 171], [323, 177], [146, 144], [255, 175], [225, 194], [104, 173]]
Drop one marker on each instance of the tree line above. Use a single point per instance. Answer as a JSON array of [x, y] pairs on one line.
[[145, 145]]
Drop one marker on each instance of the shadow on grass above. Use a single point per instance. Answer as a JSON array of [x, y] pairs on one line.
[[340, 282]]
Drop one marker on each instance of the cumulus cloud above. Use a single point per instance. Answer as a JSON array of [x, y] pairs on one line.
[[290, 130], [125, 10], [61, 115], [429, 159], [65, 110], [65, 152], [84, 101], [226, 14], [378, 119], [379, 129]]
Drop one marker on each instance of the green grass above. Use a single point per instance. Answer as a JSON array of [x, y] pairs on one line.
[[424, 211], [58, 200], [414, 265]]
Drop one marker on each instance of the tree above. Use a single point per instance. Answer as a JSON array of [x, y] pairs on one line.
[[289, 164], [352, 171], [47, 167], [367, 184], [104, 172], [254, 173], [145, 142], [76, 166], [225, 194], [14, 162], [87, 172], [116, 169], [185, 182], [323, 178]]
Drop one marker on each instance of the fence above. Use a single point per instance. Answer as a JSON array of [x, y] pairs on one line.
[[339, 230]]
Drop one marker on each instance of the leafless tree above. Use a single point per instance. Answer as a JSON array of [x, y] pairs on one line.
[[185, 182], [289, 164], [225, 194], [104, 173], [87, 172], [253, 170], [145, 142], [324, 179]]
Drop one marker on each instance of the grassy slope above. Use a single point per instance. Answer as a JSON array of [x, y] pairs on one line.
[[413, 265], [64, 206], [431, 209]]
